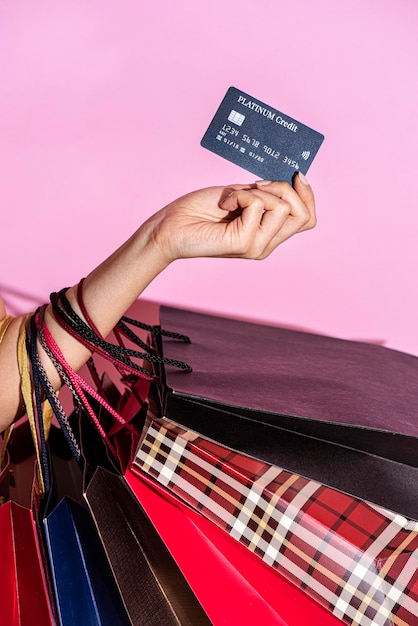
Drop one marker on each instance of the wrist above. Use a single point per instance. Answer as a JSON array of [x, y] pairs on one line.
[[156, 239], [151, 249]]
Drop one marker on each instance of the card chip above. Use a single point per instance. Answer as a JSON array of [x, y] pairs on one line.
[[236, 118]]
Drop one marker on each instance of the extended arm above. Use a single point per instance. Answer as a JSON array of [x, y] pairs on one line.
[[240, 221]]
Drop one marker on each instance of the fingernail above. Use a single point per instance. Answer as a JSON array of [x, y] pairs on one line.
[[303, 179], [263, 182], [227, 196]]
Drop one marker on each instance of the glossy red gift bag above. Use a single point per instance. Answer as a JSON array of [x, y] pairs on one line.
[[24, 597], [234, 586]]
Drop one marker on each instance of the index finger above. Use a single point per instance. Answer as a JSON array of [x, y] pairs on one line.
[[300, 197]]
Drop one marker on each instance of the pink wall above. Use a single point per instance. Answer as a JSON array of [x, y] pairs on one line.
[[102, 108]]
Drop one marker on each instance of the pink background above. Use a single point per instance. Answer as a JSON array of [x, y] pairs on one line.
[[102, 107]]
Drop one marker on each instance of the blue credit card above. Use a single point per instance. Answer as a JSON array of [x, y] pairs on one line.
[[261, 139]]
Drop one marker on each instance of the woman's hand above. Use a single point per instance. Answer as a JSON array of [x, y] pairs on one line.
[[240, 221]]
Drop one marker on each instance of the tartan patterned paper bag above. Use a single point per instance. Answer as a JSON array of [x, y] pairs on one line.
[[358, 560]]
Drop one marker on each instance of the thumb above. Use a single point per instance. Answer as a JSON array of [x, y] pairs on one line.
[[304, 191]]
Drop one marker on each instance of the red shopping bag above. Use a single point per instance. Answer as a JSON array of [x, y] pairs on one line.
[[233, 585], [24, 596]]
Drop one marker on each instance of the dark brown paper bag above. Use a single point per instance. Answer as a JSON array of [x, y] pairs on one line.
[[340, 412], [153, 589]]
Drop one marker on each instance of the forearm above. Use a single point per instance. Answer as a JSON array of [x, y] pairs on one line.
[[108, 291]]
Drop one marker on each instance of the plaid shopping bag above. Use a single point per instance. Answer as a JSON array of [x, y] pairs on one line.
[[358, 560]]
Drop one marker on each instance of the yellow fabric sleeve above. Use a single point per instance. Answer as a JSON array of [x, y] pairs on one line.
[[26, 386]]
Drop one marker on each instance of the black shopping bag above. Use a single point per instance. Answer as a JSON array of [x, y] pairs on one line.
[[152, 586], [339, 412]]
